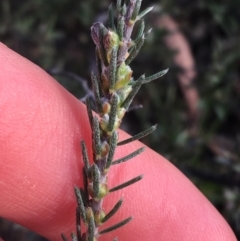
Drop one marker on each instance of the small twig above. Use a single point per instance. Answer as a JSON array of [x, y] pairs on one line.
[[114, 89]]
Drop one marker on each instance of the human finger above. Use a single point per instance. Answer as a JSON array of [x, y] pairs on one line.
[[40, 132]]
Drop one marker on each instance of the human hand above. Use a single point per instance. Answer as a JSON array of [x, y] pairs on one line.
[[40, 132]]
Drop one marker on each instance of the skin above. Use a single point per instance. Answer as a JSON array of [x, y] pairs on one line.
[[41, 127]]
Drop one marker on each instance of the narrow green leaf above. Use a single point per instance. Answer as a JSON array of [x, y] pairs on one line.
[[130, 156], [80, 204], [96, 179], [140, 31], [135, 50], [89, 110], [84, 197], [111, 18], [99, 71], [143, 13], [119, 4], [85, 156], [113, 145], [113, 68], [138, 136], [91, 229], [96, 136], [155, 76], [137, 84], [113, 211], [102, 55], [85, 184], [124, 9], [116, 226], [136, 9], [125, 184], [113, 111], [95, 85], [120, 27], [103, 32]]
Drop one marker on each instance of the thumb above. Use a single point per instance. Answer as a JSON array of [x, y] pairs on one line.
[[40, 131]]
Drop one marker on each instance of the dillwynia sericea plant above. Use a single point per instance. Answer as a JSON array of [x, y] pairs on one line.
[[114, 88]]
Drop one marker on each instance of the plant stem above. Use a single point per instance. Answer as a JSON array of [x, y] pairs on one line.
[[114, 89]]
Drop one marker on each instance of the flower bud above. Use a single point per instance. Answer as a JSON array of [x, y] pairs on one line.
[[110, 41], [106, 107], [89, 213], [103, 190], [98, 216], [104, 122], [121, 113], [104, 149], [124, 76]]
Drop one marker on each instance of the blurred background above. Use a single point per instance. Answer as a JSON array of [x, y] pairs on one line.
[[196, 105]]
